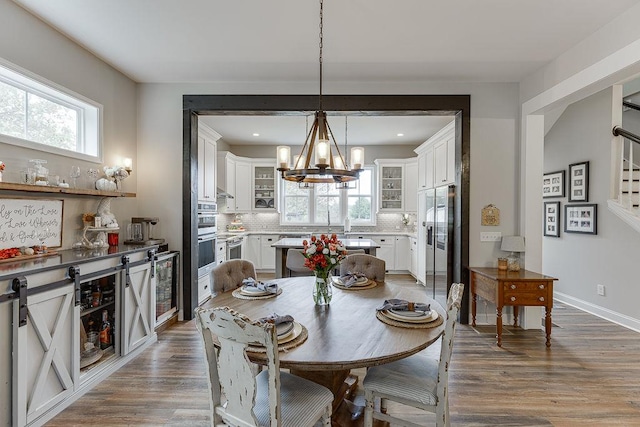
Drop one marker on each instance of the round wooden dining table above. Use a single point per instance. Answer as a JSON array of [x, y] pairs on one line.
[[343, 335]]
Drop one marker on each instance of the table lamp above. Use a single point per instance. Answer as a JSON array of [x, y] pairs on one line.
[[513, 244]]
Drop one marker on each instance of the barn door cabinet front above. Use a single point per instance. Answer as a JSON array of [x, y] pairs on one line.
[[46, 351], [75, 326]]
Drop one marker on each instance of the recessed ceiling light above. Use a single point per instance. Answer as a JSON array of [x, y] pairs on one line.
[[256, 134], [401, 134]]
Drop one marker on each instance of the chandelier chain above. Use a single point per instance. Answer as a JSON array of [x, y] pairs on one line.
[[320, 57]]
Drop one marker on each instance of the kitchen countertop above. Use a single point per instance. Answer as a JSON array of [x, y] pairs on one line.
[[348, 243], [225, 235], [65, 258]]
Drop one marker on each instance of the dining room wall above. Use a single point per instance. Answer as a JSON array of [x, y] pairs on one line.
[[611, 253]]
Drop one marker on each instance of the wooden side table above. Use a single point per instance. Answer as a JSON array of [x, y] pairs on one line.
[[514, 288]]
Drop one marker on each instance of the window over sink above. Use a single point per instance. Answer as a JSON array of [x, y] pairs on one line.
[[324, 204], [39, 114]]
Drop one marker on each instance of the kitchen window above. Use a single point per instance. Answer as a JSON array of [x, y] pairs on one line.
[[41, 115], [324, 203]]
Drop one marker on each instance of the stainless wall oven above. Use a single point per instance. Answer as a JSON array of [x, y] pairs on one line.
[[207, 229]]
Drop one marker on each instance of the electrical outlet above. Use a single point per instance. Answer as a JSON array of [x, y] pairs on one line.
[[490, 236], [397, 227], [600, 289]]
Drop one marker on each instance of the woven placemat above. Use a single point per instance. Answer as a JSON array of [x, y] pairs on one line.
[[304, 334], [371, 284], [384, 319], [236, 293]]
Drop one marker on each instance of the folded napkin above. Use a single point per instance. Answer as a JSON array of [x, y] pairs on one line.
[[270, 287], [403, 305], [276, 319], [351, 279]]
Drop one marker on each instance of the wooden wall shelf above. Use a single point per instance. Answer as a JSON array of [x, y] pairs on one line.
[[12, 186]]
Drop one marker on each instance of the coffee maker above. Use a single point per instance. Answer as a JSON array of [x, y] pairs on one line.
[[147, 224]]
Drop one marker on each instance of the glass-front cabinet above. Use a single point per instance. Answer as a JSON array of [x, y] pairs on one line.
[[264, 187], [391, 187]]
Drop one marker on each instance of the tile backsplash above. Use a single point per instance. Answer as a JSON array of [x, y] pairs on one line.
[[385, 222]]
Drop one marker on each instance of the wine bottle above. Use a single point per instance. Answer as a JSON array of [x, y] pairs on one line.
[[105, 331]]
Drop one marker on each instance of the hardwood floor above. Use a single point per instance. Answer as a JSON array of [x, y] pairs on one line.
[[589, 377]]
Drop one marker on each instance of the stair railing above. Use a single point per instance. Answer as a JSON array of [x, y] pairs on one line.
[[631, 137]]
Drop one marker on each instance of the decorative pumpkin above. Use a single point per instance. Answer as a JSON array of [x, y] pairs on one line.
[[105, 184]]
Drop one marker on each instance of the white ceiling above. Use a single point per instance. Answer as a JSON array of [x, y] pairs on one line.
[[364, 40]]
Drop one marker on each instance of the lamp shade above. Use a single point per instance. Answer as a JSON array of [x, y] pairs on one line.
[[512, 244]]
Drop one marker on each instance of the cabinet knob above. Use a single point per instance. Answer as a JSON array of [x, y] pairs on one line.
[[541, 286], [513, 286], [513, 299], [541, 299]]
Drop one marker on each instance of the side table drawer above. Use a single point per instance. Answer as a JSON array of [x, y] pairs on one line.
[[525, 298], [524, 287]]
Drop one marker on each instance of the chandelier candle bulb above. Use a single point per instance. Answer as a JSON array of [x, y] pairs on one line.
[[357, 158], [322, 152], [284, 154]]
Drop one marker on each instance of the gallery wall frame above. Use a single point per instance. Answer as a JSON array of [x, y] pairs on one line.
[[552, 219], [579, 182], [581, 218], [553, 184]]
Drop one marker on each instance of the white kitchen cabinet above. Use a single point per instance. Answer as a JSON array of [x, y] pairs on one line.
[[267, 253], [402, 253], [386, 251], [251, 249], [421, 266], [425, 168], [204, 288], [243, 199], [436, 159], [411, 186], [413, 247], [221, 252], [226, 174], [251, 182], [390, 186], [444, 161], [264, 186], [207, 154]]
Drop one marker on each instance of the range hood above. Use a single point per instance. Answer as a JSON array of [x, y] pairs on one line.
[[221, 194]]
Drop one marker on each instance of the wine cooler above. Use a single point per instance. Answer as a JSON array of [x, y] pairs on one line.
[[166, 285]]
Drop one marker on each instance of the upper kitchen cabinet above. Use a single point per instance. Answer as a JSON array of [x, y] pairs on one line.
[[264, 185], [411, 185], [207, 140], [393, 185], [251, 182], [436, 159]]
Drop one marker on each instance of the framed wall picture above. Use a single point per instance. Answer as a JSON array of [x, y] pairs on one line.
[[552, 219], [579, 182], [553, 184], [581, 218]]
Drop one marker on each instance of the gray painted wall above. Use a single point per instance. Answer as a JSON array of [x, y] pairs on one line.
[[582, 261]]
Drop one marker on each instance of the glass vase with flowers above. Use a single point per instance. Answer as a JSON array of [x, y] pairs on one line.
[[323, 254]]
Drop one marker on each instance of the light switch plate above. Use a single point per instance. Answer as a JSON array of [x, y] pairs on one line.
[[490, 236]]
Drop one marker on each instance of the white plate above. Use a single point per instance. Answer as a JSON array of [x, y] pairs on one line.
[[252, 291], [284, 328], [292, 335], [406, 313], [417, 319]]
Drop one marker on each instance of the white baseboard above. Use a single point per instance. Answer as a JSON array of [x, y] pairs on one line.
[[604, 313]]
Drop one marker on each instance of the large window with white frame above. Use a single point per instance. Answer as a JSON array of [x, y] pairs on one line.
[[324, 204], [39, 114]]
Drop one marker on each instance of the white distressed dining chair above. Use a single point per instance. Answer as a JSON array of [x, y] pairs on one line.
[[271, 398], [418, 380]]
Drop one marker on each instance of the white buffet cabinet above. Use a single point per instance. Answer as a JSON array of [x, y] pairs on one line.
[[44, 322]]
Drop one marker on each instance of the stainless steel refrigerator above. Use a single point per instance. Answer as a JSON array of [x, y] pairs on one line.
[[439, 216]]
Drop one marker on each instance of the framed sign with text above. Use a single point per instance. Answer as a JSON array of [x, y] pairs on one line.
[[28, 222]]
